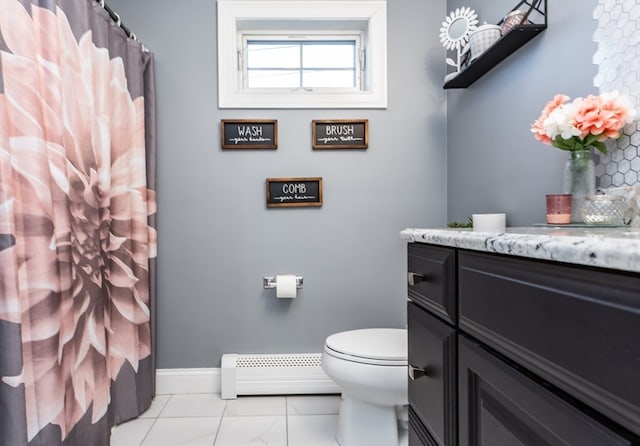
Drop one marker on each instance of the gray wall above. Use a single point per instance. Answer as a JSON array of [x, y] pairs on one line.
[[216, 237], [494, 162]]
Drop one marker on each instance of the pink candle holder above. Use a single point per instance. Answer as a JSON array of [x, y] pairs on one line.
[[558, 209]]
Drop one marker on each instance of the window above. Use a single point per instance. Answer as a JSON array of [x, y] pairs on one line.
[[302, 54], [306, 64]]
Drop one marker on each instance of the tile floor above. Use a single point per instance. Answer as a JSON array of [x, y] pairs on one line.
[[208, 420]]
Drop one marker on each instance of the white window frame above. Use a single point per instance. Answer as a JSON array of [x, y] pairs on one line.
[[233, 17]]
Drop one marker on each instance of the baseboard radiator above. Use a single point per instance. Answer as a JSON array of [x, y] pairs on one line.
[[273, 374]]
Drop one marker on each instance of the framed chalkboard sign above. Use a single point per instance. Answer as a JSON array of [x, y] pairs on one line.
[[294, 192], [249, 133], [340, 134]]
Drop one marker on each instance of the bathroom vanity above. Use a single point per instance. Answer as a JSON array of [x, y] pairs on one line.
[[528, 337]]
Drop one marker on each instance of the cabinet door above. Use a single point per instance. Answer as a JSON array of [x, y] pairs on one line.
[[418, 434], [431, 277], [432, 373], [575, 327], [499, 406]]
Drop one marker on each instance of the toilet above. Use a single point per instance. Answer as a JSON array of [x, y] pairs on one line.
[[370, 367]]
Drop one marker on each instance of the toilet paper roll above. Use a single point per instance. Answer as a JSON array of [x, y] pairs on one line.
[[286, 286]]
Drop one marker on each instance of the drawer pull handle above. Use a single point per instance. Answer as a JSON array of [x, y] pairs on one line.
[[416, 372], [415, 278]]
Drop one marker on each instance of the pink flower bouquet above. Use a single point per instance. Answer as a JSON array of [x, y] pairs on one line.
[[583, 123]]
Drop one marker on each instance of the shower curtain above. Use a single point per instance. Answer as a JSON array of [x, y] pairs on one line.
[[77, 238]]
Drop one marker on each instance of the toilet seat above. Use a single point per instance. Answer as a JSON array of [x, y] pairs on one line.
[[375, 346]]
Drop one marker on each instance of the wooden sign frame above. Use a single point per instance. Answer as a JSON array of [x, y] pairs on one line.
[[340, 134], [294, 192], [249, 133]]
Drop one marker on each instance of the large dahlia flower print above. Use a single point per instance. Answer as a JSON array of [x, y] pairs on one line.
[[73, 192]]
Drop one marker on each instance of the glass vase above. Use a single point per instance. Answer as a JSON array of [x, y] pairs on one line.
[[579, 181]]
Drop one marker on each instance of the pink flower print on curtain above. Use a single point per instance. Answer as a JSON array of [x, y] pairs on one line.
[[74, 194]]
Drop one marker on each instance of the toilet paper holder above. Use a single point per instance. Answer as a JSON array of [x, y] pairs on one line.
[[270, 281]]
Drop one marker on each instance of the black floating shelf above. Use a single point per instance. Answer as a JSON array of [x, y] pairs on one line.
[[495, 54]]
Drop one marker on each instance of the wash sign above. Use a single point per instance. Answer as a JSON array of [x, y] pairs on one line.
[[249, 134]]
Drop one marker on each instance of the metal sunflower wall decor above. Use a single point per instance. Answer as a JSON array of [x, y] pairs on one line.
[[454, 35]]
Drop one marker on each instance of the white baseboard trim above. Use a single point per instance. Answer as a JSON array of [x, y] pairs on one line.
[[200, 380]]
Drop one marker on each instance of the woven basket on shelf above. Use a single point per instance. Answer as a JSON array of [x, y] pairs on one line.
[[482, 38]]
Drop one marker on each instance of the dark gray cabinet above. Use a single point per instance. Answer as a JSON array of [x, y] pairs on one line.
[[521, 352], [431, 276], [501, 406], [432, 377], [577, 328]]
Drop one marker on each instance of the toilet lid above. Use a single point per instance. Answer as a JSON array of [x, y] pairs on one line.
[[380, 344]]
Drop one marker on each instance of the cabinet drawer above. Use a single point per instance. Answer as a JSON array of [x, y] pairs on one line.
[[432, 278], [501, 406], [432, 348], [577, 328]]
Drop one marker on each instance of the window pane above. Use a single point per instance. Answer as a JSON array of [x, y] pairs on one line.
[[282, 63], [273, 79], [273, 55], [339, 55], [328, 78]]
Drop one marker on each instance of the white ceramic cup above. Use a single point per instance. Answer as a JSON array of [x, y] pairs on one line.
[[489, 222]]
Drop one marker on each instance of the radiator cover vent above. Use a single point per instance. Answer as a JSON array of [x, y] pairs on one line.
[[258, 361], [273, 374]]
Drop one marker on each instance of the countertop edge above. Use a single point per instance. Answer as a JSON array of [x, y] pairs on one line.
[[575, 247]]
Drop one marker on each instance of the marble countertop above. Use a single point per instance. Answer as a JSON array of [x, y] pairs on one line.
[[615, 248]]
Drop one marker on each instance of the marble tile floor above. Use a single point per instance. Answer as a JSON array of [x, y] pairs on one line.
[[208, 420]]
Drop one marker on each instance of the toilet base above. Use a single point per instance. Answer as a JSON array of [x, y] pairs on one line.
[[360, 423]]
